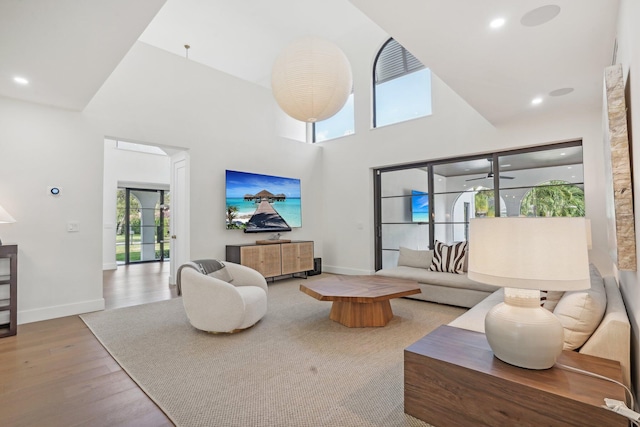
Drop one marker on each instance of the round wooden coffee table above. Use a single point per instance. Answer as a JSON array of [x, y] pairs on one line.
[[360, 301]]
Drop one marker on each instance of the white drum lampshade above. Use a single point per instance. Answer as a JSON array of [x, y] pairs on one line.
[[311, 79], [526, 255]]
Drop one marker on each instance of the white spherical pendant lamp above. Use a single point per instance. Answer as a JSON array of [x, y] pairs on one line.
[[311, 79]]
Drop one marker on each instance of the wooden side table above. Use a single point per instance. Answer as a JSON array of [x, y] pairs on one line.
[[451, 378]]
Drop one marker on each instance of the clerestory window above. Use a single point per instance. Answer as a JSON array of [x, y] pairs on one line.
[[341, 124], [402, 86]]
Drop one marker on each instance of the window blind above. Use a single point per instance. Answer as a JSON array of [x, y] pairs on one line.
[[395, 61]]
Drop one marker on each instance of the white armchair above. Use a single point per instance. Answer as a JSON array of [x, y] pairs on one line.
[[214, 305]]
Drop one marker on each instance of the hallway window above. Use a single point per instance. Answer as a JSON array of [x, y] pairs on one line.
[[402, 86]]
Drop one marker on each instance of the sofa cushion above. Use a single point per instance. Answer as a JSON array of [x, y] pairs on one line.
[[414, 258], [460, 281], [449, 258], [580, 312]]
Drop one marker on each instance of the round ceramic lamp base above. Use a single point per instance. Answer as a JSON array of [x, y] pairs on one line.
[[522, 333]]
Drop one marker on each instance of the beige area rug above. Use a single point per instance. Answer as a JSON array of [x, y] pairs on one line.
[[294, 368]]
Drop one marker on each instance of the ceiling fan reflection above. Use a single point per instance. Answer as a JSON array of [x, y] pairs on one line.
[[490, 175]]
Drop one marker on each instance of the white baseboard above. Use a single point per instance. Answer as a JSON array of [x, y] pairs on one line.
[[110, 266], [46, 313], [347, 271]]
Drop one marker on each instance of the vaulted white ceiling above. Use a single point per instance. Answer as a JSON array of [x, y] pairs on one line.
[[243, 38], [68, 48], [500, 71]]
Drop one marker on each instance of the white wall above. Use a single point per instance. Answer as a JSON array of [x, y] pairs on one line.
[[629, 57], [224, 123], [135, 169], [59, 272]]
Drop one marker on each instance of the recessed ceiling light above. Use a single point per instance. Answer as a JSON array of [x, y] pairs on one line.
[[497, 23], [21, 80], [536, 101], [540, 16], [561, 92]]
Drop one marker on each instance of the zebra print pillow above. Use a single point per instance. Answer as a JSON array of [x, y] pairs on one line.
[[449, 258]]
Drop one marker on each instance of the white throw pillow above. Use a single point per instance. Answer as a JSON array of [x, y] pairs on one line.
[[580, 312], [222, 274], [414, 258], [549, 299]]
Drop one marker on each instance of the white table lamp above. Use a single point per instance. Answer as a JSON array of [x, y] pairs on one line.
[[526, 255], [5, 217]]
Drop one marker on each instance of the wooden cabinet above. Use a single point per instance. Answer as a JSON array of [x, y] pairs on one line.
[[8, 290], [451, 378], [264, 259], [274, 259], [296, 257]]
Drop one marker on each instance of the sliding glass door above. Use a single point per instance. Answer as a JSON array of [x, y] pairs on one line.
[[419, 203], [403, 214]]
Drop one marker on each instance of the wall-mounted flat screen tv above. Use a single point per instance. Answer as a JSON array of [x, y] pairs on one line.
[[419, 206], [262, 203]]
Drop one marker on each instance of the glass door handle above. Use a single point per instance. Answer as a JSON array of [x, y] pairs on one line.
[[173, 236]]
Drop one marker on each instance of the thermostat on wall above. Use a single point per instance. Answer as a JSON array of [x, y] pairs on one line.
[[54, 191]]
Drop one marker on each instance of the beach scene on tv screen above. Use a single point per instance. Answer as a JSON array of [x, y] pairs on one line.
[[256, 202], [419, 206]]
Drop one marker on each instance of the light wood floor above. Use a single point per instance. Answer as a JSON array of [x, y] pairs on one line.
[[55, 372]]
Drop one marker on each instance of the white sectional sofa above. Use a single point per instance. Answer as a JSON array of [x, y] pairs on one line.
[[595, 321], [436, 286]]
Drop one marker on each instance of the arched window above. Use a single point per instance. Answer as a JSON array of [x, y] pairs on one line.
[[402, 86], [553, 198]]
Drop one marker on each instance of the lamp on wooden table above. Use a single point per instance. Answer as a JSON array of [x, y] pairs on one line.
[[525, 256], [5, 218]]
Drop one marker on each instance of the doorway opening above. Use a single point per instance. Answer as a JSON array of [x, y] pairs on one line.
[[154, 226]]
